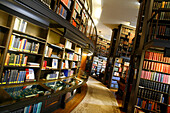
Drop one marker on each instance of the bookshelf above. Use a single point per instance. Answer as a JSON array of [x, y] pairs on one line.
[[77, 12], [39, 65], [102, 47], [151, 70], [98, 64], [122, 46]]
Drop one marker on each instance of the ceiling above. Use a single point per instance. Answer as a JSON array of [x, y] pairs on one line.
[[115, 12]]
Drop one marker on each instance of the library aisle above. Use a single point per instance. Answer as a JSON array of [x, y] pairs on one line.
[[98, 99]]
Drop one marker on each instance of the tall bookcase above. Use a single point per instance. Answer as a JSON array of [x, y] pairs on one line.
[[150, 90], [40, 65], [77, 12], [123, 46]]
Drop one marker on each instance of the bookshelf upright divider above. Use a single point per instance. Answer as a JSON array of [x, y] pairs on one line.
[[6, 46]]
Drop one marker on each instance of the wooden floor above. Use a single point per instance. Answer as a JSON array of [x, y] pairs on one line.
[[73, 102]]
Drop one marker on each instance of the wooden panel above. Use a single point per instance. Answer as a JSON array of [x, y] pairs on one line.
[[83, 62], [36, 31], [53, 38]]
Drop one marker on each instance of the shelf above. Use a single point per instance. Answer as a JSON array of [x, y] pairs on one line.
[[115, 76], [153, 90], [65, 69], [52, 58], [21, 67], [146, 109], [154, 81], [19, 32], [5, 27], [25, 52], [153, 101], [76, 61], [55, 46], [157, 61], [68, 59], [69, 49], [2, 47], [155, 71], [50, 69], [78, 54]]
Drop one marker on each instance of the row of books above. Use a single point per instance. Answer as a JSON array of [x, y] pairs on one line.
[[54, 75], [77, 57], [82, 28], [148, 94], [163, 4], [36, 108], [154, 66], [18, 44], [62, 11], [74, 65], [163, 31], [20, 25], [48, 51], [154, 85], [77, 6], [54, 64], [68, 55], [74, 14], [154, 76], [67, 3], [16, 76], [84, 17], [156, 57], [68, 44], [67, 73], [78, 50], [16, 60], [145, 104], [65, 65], [125, 30], [164, 16]]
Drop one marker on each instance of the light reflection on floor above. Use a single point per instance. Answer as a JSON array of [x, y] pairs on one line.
[[98, 99]]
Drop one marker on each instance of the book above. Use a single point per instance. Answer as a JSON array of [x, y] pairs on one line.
[[55, 63], [68, 44], [55, 75], [20, 24], [30, 74]]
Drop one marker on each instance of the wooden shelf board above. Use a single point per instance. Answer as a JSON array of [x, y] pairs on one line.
[[157, 43], [157, 61], [2, 47], [25, 52], [50, 69], [146, 109], [19, 32], [152, 100], [154, 81], [21, 67], [52, 58], [5, 27], [55, 46], [69, 49], [152, 90], [156, 71]]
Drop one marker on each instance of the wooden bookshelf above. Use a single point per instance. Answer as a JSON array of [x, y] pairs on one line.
[[48, 45], [122, 43], [152, 42]]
